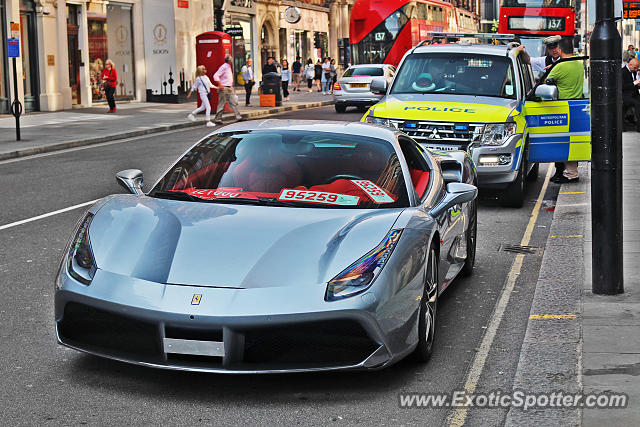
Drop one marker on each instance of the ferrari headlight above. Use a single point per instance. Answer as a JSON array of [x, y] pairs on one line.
[[80, 262], [359, 276], [497, 133]]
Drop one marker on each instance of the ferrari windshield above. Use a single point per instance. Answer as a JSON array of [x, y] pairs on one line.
[[288, 167], [460, 74]]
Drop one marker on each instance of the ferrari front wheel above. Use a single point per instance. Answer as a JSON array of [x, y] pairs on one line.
[[428, 307]]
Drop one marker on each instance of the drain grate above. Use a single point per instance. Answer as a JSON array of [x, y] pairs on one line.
[[518, 249]]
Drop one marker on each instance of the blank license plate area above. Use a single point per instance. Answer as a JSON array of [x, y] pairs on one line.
[[357, 85]]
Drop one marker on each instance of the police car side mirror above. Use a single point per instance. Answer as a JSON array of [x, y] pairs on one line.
[[547, 92], [379, 85]]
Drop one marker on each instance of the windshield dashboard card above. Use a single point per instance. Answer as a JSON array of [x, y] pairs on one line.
[[377, 194], [322, 197]]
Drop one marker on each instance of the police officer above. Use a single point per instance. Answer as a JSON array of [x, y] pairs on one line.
[[542, 63], [569, 78]]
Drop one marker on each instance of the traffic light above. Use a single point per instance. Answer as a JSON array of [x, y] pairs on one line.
[[317, 40]]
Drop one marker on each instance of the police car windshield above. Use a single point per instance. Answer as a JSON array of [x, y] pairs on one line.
[[456, 74]]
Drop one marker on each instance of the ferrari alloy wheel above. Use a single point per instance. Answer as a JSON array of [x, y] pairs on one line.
[[428, 306], [471, 235]]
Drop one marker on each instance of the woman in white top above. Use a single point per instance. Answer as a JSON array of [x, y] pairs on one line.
[[285, 76], [326, 78], [309, 73], [203, 85]]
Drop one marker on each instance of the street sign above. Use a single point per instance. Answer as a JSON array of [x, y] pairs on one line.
[[13, 48], [15, 30]]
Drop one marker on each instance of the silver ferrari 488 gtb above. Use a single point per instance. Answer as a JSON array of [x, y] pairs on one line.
[[273, 246]]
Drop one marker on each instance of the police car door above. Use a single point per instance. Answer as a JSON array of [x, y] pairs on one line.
[[559, 130]]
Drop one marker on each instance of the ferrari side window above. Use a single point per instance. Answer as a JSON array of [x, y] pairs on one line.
[[418, 167]]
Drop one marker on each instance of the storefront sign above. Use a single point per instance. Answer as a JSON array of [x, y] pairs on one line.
[[184, 4], [159, 41], [234, 30], [13, 48]]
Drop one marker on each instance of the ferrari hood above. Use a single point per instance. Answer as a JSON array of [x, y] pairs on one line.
[[226, 245], [460, 108]]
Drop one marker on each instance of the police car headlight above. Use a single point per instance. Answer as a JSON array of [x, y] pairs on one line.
[[497, 133], [377, 120]]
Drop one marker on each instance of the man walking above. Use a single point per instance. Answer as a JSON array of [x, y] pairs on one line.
[[247, 76], [569, 78], [224, 77], [296, 69]]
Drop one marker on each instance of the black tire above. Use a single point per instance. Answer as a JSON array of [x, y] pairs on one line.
[[471, 236], [513, 196], [428, 309], [532, 176], [340, 108]]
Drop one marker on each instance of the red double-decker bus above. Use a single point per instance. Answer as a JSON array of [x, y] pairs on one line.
[[538, 17], [381, 31]]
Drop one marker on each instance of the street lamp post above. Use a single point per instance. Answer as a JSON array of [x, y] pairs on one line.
[[606, 152]]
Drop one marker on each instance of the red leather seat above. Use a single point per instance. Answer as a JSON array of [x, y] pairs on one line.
[[420, 181]]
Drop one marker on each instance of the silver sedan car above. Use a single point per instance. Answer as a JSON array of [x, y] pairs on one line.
[[272, 246], [353, 88]]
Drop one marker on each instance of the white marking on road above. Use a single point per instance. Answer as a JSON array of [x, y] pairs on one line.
[[35, 218], [459, 415]]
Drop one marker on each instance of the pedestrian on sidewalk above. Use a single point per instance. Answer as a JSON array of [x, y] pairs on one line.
[[327, 78], [309, 73], [569, 78], [249, 81], [224, 78], [271, 66], [285, 76], [317, 75], [334, 74], [296, 69], [109, 81], [203, 85]]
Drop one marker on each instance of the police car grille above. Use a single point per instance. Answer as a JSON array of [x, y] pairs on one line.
[[445, 133]]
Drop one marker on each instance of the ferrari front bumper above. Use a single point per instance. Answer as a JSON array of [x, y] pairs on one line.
[[201, 329]]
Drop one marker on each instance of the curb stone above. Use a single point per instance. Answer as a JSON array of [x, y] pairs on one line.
[[141, 132]]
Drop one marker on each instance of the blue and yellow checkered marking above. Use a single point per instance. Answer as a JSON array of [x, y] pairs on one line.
[[559, 131]]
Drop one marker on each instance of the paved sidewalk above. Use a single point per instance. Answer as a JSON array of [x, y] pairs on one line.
[[578, 342], [51, 131]]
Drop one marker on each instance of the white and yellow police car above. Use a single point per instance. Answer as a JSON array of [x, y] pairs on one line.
[[483, 98]]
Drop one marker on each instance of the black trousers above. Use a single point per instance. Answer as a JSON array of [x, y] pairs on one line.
[[247, 89], [285, 88], [630, 101], [110, 92]]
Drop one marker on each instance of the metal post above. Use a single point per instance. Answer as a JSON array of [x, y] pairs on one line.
[[16, 105], [606, 152]]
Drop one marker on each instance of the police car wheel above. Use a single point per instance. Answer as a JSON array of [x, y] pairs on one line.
[[533, 173], [340, 108], [513, 197], [472, 233]]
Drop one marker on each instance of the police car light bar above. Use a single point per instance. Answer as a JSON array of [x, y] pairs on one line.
[[484, 36]]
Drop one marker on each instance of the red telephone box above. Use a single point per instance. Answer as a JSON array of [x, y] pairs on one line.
[[211, 48]]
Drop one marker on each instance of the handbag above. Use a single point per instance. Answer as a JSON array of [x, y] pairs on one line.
[[209, 97]]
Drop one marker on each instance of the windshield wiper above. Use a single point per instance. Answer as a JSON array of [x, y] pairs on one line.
[[177, 195]]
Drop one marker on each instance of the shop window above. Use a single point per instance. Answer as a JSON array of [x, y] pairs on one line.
[[111, 37]]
